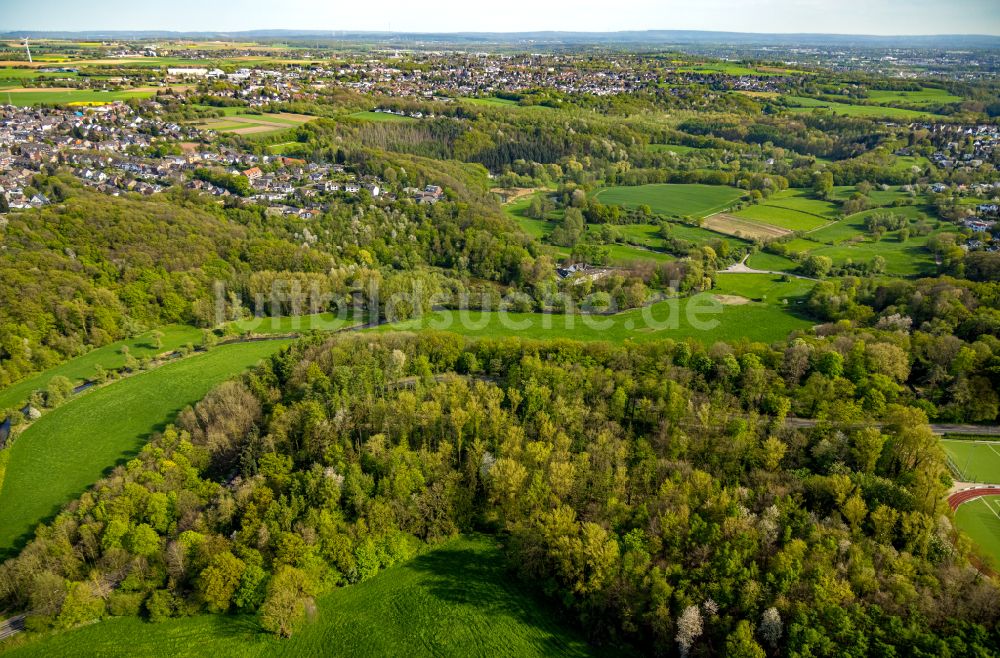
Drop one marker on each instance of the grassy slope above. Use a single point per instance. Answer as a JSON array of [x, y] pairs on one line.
[[68, 449], [668, 199], [456, 600], [294, 323], [109, 356]]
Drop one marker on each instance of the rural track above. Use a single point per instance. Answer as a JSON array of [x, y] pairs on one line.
[[742, 268]]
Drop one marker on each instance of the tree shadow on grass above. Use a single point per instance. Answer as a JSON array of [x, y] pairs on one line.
[[476, 574]]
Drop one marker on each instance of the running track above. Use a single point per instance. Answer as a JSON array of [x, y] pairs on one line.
[[965, 495]]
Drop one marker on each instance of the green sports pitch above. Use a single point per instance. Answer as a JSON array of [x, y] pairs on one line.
[[980, 520], [974, 461]]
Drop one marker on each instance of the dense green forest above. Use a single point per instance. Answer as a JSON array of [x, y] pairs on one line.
[[653, 491]]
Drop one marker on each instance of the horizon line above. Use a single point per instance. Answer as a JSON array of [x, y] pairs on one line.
[[334, 32]]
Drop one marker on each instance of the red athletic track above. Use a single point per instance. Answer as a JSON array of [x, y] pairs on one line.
[[966, 495]]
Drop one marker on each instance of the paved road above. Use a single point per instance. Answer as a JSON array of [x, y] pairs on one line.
[[938, 428], [11, 626]]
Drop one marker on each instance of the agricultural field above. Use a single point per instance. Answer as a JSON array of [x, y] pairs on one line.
[[677, 200], [257, 125], [108, 357], [743, 228], [69, 448], [455, 600], [11, 74], [23, 97]]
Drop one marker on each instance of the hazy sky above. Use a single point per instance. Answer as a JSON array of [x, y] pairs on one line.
[[829, 16]]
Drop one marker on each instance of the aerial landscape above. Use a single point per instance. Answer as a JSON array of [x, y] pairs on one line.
[[423, 331]]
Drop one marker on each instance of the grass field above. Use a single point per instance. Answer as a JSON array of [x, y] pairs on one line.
[[287, 324], [804, 104], [455, 600], [674, 200], [110, 356], [980, 519], [700, 317], [12, 73], [927, 95], [974, 461], [68, 449], [762, 260], [379, 116], [786, 218], [26, 98], [491, 101]]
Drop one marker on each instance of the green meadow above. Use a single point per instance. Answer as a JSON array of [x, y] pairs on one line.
[[769, 312], [457, 599], [673, 199], [83, 96], [804, 104], [379, 116], [108, 357], [926, 96], [69, 448]]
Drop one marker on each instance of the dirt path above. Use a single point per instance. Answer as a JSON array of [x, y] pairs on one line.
[[742, 268]]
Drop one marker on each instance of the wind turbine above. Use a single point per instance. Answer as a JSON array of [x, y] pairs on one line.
[[27, 49]]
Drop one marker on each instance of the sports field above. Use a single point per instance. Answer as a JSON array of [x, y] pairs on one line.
[[980, 519], [673, 200], [974, 461], [68, 449], [455, 600]]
